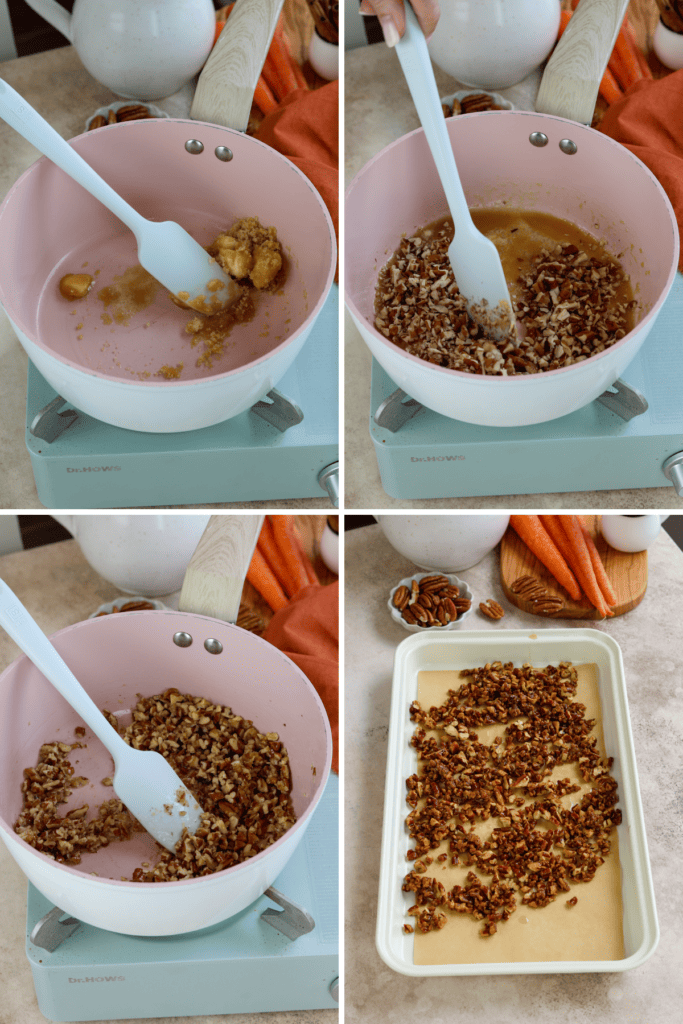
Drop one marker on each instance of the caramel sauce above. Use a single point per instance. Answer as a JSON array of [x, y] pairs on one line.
[[520, 235]]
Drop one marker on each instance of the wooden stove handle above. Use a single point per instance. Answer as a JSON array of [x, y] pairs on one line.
[[225, 90], [570, 83]]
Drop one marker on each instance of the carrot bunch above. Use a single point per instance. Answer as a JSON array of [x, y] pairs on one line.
[[627, 63], [280, 567], [281, 73], [566, 549]]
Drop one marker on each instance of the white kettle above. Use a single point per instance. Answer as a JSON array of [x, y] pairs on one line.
[[140, 49], [631, 533], [447, 543], [140, 554]]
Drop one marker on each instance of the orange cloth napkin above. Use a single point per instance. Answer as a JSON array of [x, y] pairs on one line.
[[307, 631], [305, 128], [649, 122]]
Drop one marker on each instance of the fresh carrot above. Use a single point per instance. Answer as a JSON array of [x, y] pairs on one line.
[[270, 76], [609, 88], [565, 18], [537, 539], [222, 16], [581, 564], [267, 545], [263, 96], [282, 61], [559, 537], [296, 67], [220, 25], [303, 557], [628, 55], [640, 56], [263, 579], [283, 531], [619, 70], [599, 569]]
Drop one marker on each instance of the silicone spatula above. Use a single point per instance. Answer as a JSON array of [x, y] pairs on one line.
[[165, 249], [473, 257], [143, 779]]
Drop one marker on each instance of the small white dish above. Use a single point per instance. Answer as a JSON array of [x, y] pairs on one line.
[[108, 608], [668, 46], [462, 93], [117, 104], [323, 56], [414, 628]]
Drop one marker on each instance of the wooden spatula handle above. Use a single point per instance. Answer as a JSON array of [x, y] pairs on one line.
[[571, 80], [225, 90], [215, 576]]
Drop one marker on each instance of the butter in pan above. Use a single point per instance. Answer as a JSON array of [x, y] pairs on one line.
[[612, 925]]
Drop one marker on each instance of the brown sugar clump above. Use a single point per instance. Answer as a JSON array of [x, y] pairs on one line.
[[170, 372], [249, 250]]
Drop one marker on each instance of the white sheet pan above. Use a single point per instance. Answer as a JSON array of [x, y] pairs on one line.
[[467, 649]]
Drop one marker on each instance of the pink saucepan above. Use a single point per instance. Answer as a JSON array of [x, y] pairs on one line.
[[115, 658], [525, 160], [204, 176]]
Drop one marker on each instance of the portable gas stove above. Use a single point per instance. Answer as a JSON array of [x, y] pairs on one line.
[[631, 436], [285, 446], [241, 966]]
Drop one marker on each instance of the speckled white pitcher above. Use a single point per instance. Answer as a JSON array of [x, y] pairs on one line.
[[444, 543], [140, 49], [140, 554]]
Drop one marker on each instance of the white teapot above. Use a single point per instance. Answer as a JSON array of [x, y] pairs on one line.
[[140, 49], [140, 554], [495, 44], [447, 543]]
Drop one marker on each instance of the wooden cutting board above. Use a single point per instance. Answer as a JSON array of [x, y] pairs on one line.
[[627, 573]]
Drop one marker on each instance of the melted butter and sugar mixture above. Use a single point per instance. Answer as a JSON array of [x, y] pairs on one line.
[[520, 235], [572, 297]]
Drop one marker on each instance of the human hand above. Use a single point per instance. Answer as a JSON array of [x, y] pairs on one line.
[[391, 15]]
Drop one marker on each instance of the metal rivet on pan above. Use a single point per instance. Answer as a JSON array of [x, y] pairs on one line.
[[538, 139], [569, 147], [213, 646], [223, 153], [194, 146], [182, 639]]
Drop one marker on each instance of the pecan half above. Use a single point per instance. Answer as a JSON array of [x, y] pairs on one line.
[[491, 609]]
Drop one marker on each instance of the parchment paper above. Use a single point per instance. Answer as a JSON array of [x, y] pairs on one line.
[[591, 930]]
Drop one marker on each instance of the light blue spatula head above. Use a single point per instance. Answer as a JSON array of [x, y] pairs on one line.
[[474, 258]]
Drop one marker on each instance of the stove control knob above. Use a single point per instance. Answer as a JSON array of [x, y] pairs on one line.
[[328, 478], [334, 989], [673, 469]]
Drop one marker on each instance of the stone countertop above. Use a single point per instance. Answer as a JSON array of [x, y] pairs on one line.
[[649, 637], [59, 587], [57, 85], [378, 110]]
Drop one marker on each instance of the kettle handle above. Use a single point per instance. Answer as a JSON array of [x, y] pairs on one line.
[[570, 83], [55, 14], [225, 90]]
